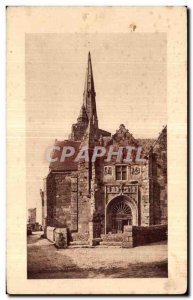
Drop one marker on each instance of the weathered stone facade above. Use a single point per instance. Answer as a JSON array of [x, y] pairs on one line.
[[91, 199]]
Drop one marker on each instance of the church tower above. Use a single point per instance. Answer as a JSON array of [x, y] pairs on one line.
[[88, 114]]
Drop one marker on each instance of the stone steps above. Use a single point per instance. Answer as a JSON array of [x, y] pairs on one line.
[[105, 245], [79, 246], [98, 243], [76, 243], [108, 246], [112, 238]]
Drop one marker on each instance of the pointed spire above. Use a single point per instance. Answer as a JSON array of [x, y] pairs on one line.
[[90, 86], [89, 92], [82, 118]]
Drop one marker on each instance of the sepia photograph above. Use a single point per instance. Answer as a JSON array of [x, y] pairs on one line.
[[96, 122]]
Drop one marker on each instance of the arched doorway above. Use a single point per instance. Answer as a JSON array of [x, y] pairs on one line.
[[120, 212]]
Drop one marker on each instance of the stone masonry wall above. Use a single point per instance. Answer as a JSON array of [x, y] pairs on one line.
[[78, 131], [144, 205], [59, 200], [84, 198], [160, 179], [144, 235], [144, 196], [50, 192], [100, 197], [74, 203]]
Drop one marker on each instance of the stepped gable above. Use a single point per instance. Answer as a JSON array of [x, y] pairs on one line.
[[123, 137]]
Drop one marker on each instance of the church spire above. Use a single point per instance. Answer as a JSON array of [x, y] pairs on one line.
[[82, 118], [89, 94], [89, 80], [87, 122]]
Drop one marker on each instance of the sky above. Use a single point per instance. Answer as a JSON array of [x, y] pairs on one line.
[[130, 83]]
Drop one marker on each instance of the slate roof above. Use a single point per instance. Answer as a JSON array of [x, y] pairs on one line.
[[146, 144], [68, 164]]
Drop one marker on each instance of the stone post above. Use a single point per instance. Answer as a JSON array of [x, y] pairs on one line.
[[91, 233], [127, 237]]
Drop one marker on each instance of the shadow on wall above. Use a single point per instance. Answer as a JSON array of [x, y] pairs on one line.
[[146, 235]]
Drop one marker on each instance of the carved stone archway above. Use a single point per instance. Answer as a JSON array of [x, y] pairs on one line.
[[120, 211]]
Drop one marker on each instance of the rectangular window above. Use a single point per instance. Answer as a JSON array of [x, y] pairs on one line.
[[118, 173], [121, 172], [124, 173]]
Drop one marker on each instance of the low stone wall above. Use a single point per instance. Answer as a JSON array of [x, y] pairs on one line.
[[145, 235], [131, 237]]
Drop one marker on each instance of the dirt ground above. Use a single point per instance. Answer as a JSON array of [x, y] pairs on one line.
[[45, 261]]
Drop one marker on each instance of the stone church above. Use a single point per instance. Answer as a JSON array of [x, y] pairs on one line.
[[94, 199]]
